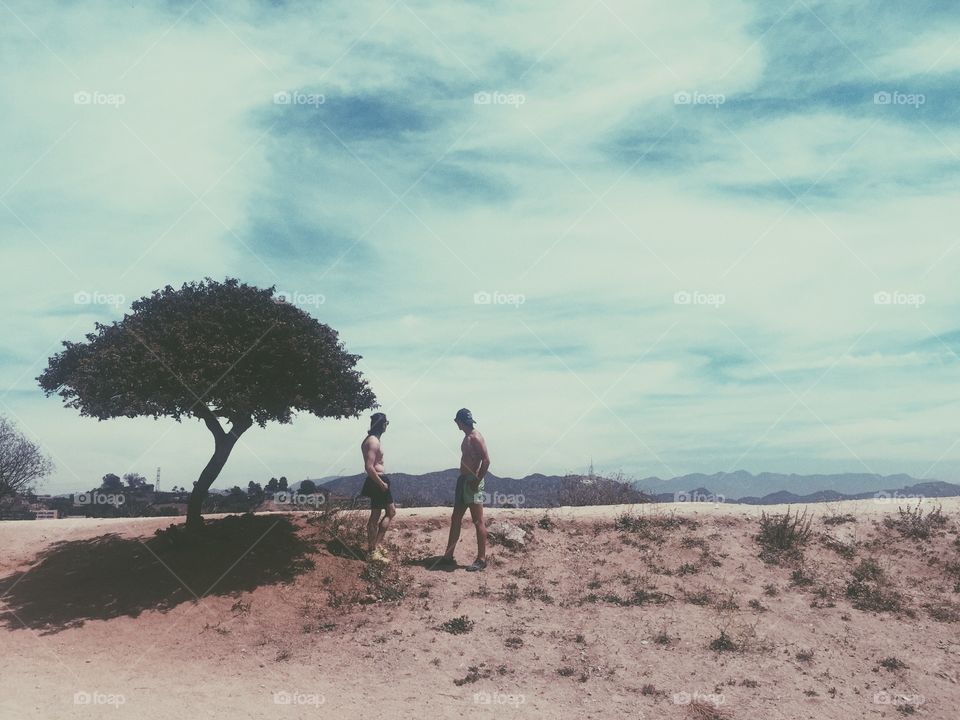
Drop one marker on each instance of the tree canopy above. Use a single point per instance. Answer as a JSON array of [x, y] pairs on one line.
[[210, 350]]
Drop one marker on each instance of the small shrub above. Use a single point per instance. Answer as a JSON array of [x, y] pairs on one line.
[[944, 611], [723, 643], [804, 655], [913, 523], [510, 592], [652, 527], [662, 638], [458, 625], [845, 550], [870, 591], [546, 523], [839, 519], [783, 536], [892, 663], [535, 592]]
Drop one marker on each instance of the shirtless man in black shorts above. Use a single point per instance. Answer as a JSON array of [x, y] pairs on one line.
[[377, 488]]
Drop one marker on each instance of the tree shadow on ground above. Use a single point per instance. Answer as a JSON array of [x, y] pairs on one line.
[[111, 576]]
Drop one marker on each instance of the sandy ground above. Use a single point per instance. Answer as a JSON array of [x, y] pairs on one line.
[[99, 622]]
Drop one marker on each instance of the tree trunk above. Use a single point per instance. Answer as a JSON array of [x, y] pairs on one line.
[[223, 443]]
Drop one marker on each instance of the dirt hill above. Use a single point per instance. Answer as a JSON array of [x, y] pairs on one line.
[[643, 611]]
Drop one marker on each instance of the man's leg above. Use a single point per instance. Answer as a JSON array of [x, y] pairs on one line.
[[455, 520], [372, 529], [476, 514], [385, 522]]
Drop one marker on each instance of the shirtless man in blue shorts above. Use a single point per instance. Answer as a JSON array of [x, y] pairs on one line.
[[474, 463]]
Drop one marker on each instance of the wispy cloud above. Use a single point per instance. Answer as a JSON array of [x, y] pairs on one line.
[[521, 208]]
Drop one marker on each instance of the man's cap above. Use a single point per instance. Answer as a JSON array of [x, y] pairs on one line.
[[465, 416]]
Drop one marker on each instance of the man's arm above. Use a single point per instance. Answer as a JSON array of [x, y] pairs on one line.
[[371, 445], [484, 457]]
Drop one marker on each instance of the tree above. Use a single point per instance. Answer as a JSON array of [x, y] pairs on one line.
[[111, 483], [22, 462], [210, 351], [135, 481], [272, 486], [282, 484], [254, 489], [308, 487]]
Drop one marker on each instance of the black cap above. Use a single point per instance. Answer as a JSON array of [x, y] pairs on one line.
[[465, 416]]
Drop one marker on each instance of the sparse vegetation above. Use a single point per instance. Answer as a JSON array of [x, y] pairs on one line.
[[662, 638], [912, 522], [546, 523], [800, 578], [783, 536], [846, 550], [723, 643], [652, 526], [869, 589], [458, 625], [892, 663], [944, 611], [839, 519], [699, 597]]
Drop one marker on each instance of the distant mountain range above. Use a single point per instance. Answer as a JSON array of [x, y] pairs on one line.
[[741, 484], [436, 488]]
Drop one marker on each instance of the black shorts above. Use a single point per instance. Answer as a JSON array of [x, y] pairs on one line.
[[379, 499]]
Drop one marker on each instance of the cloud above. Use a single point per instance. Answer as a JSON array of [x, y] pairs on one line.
[[342, 150]]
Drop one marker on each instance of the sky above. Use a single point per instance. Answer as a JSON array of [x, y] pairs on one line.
[[657, 237]]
